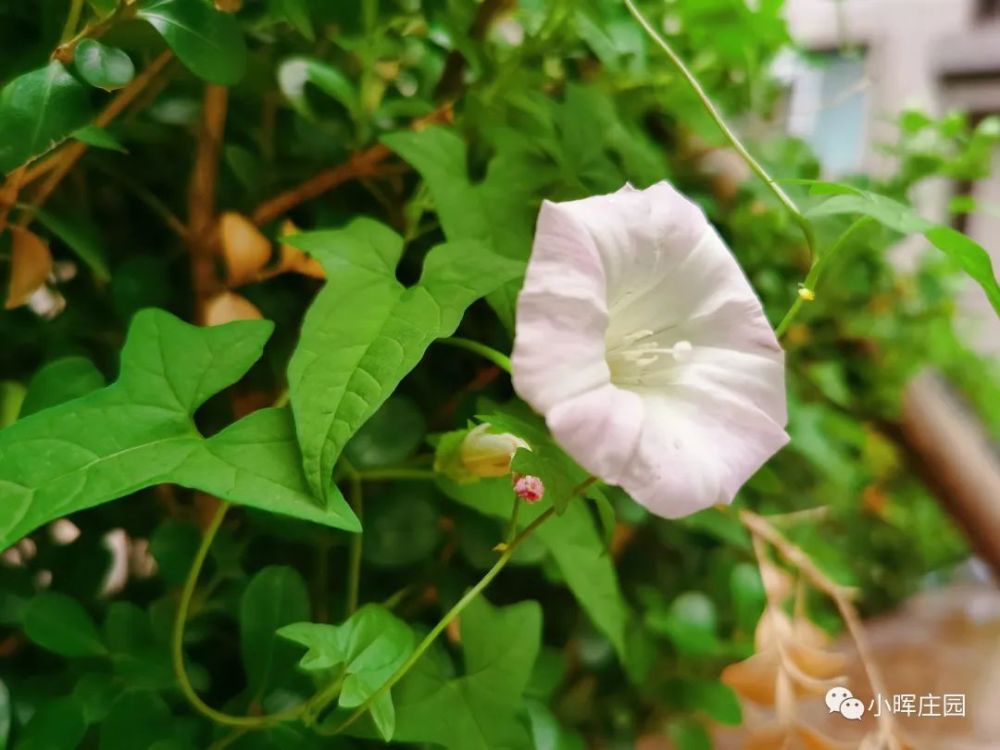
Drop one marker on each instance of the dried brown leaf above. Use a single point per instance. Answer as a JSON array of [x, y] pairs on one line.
[[229, 306], [31, 264], [244, 247], [754, 679]]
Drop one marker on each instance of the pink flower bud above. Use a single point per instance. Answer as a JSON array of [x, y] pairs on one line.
[[529, 488]]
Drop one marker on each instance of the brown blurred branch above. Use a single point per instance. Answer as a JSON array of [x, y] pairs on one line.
[[202, 199], [956, 460], [450, 83], [367, 163]]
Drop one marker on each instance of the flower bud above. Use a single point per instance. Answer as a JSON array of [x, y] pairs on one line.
[[528, 487], [487, 454]]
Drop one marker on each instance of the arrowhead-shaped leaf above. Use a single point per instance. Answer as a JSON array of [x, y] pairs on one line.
[[369, 648], [365, 331], [139, 432], [482, 709]]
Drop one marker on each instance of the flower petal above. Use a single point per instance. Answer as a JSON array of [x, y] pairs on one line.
[[697, 449], [561, 314], [600, 429]]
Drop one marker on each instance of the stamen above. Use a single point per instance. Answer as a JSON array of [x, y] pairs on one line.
[[636, 336]]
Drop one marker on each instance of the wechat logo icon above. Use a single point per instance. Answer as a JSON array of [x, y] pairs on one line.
[[840, 700]]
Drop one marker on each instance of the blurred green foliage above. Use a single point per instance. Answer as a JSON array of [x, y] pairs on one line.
[[574, 643]]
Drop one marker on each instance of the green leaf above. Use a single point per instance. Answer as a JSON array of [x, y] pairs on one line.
[[575, 545], [365, 331], [710, 697], [256, 461], [296, 72], [61, 624], [391, 436], [101, 66], [98, 138], [96, 693], [482, 709], [139, 432], [137, 719], [296, 12], [605, 514], [210, 43], [969, 255], [38, 110], [748, 595], [60, 381], [139, 659], [546, 731], [12, 395], [973, 259], [82, 237], [499, 211], [367, 649], [886, 211], [690, 623], [275, 597], [173, 546], [56, 724], [689, 734], [403, 527]]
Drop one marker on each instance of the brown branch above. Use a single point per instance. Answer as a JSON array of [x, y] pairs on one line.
[[59, 165], [366, 163], [842, 596], [949, 448], [202, 199], [8, 194], [450, 83]]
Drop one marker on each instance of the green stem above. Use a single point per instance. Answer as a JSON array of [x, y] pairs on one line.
[[316, 705], [177, 643], [734, 141], [816, 271], [93, 30], [229, 739], [512, 524], [486, 352], [354, 562], [72, 20], [452, 613]]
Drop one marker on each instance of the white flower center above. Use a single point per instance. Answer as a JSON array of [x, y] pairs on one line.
[[636, 354]]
